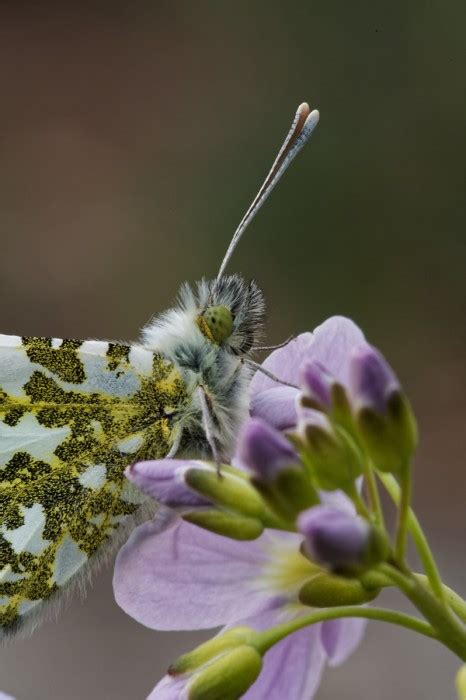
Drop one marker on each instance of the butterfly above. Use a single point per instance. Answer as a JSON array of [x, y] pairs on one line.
[[74, 414]]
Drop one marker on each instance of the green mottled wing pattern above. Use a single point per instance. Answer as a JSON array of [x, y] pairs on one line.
[[73, 415]]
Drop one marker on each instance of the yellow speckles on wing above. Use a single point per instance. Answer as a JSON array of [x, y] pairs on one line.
[[72, 417]]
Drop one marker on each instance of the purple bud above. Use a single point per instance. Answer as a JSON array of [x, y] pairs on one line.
[[333, 538], [264, 450], [372, 380], [163, 480], [317, 383]]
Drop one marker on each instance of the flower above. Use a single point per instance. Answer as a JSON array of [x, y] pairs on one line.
[[174, 575], [329, 345], [178, 576]]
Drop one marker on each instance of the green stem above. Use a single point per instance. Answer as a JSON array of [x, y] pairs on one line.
[[403, 515], [418, 536], [373, 495], [377, 579], [263, 641], [456, 603], [449, 629], [358, 501]]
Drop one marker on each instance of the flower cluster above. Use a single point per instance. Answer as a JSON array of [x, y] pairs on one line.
[[283, 530]]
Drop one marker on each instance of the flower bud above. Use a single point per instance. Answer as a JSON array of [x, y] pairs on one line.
[[231, 525], [162, 479], [322, 391], [228, 677], [232, 638], [329, 451], [278, 473], [264, 450], [317, 384], [383, 414], [341, 542], [372, 380], [232, 492], [329, 591]]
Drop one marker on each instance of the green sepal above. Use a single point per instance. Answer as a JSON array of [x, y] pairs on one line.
[[326, 590], [199, 656], [340, 412], [289, 493], [377, 549], [390, 439], [229, 491], [237, 527], [332, 457], [296, 488], [228, 677]]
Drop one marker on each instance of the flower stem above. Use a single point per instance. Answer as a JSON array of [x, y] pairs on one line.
[[403, 515], [377, 579], [449, 629], [419, 538], [361, 508], [456, 603], [373, 495], [263, 641]]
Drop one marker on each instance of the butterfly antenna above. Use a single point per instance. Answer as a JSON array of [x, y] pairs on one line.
[[302, 127]]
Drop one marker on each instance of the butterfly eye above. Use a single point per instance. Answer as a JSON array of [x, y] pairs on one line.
[[219, 320]]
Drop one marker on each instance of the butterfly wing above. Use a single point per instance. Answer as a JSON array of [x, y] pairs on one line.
[[73, 415]]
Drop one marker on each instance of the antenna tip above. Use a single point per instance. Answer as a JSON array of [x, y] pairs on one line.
[[313, 116], [304, 107], [306, 118]]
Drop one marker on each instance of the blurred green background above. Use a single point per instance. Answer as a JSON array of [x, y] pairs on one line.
[[132, 138]]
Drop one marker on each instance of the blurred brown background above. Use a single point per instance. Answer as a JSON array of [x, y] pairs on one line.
[[132, 138]]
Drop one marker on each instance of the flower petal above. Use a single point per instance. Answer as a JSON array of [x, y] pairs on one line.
[[169, 689], [184, 577], [330, 344], [162, 479], [276, 406], [341, 637], [283, 363]]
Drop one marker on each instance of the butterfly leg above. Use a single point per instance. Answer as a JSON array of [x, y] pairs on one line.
[[270, 375], [273, 347], [176, 445], [208, 426]]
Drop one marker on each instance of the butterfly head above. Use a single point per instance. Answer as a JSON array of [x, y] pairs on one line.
[[216, 323], [231, 313]]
